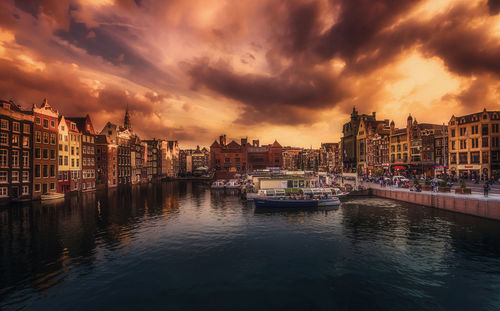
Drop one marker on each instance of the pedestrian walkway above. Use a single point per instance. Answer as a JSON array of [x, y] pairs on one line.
[[475, 195]]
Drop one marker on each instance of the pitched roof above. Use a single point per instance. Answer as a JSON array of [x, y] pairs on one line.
[[276, 144]]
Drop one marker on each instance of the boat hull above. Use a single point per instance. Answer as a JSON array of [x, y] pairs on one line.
[[266, 203]]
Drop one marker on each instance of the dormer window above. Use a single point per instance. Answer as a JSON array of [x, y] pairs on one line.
[[72, 126]]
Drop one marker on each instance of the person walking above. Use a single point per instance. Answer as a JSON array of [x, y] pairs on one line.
[[486, 188]]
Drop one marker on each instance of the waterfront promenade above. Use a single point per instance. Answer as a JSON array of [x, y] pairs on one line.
[[475, 204]]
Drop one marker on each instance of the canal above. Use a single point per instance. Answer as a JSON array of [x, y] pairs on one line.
[[177, 246]]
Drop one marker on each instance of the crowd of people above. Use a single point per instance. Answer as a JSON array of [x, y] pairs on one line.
[[414, 181]]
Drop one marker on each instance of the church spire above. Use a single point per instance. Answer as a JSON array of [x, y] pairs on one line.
[[126, 122]]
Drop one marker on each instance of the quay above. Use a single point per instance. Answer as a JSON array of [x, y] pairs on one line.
[[470, 204]]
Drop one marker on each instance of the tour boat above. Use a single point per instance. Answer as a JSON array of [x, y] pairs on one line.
[[52, 196], [295, 203], [218, 184]]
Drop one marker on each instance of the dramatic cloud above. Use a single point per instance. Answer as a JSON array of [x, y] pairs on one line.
[[280, 69]]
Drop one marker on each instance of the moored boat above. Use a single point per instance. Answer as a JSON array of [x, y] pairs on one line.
[[218, 184], [52, 196], [280, 203], [233, 184]]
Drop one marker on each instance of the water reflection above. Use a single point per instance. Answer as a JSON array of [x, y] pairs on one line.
[[184, 241]]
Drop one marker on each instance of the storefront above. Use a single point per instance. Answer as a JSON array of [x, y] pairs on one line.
[[399, 169], [469, 171], [440, 170]]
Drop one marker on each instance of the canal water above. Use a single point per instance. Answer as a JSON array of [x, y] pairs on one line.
[[179, 246]]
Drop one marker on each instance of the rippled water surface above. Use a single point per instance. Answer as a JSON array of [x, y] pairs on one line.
[[177, 246]]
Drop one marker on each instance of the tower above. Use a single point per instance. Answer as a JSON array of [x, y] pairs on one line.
[[126, 122]]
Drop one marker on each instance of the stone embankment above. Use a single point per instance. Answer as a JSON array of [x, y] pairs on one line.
[[472, 204]]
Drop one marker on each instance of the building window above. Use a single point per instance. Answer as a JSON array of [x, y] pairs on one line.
[[26, 176], [484, 129], [45, 138], [26, 190], [26, 142], [484, 141], [453, 158], [37, 187], [38, 153], [45, 123], [462, 157], [15, 176], [15, 140], [463, 144], [4, 124], [53, 139], [45, 153], [26, 159], [52, 170], [494, 141], [65, 160], [4, 138], [45, 170], [494, 128], [16, 127], [3, 192], [26, 128], [15, 158], [60, 160], [52, 154], [38, 137], [37, 171], [474, 129], [475, 157], [52, 123], [52, 186], [463, 130], [485, 157], [4, 157], [475, 142], [4, 177]]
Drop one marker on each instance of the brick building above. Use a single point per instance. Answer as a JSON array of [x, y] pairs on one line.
[[106, 162], [16, 136], [229, 159], [45, 135]]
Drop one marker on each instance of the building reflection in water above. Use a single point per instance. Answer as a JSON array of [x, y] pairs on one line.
[[41, 241]]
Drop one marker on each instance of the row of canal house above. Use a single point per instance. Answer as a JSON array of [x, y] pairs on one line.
[[43, 151]]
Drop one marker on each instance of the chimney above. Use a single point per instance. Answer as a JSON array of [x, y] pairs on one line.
[[255, 143], [243, 142], [373, 114], [221, 142], [224, 139]]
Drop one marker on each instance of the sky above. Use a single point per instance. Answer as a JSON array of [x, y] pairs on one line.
[[191, 70]]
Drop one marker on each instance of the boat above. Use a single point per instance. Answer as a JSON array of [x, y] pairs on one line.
[[280, 203], [52, 196], [295, 203], [265, 193], [218, 184], [233, 184]]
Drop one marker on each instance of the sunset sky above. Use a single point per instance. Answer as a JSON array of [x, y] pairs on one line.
[[289, 70]]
